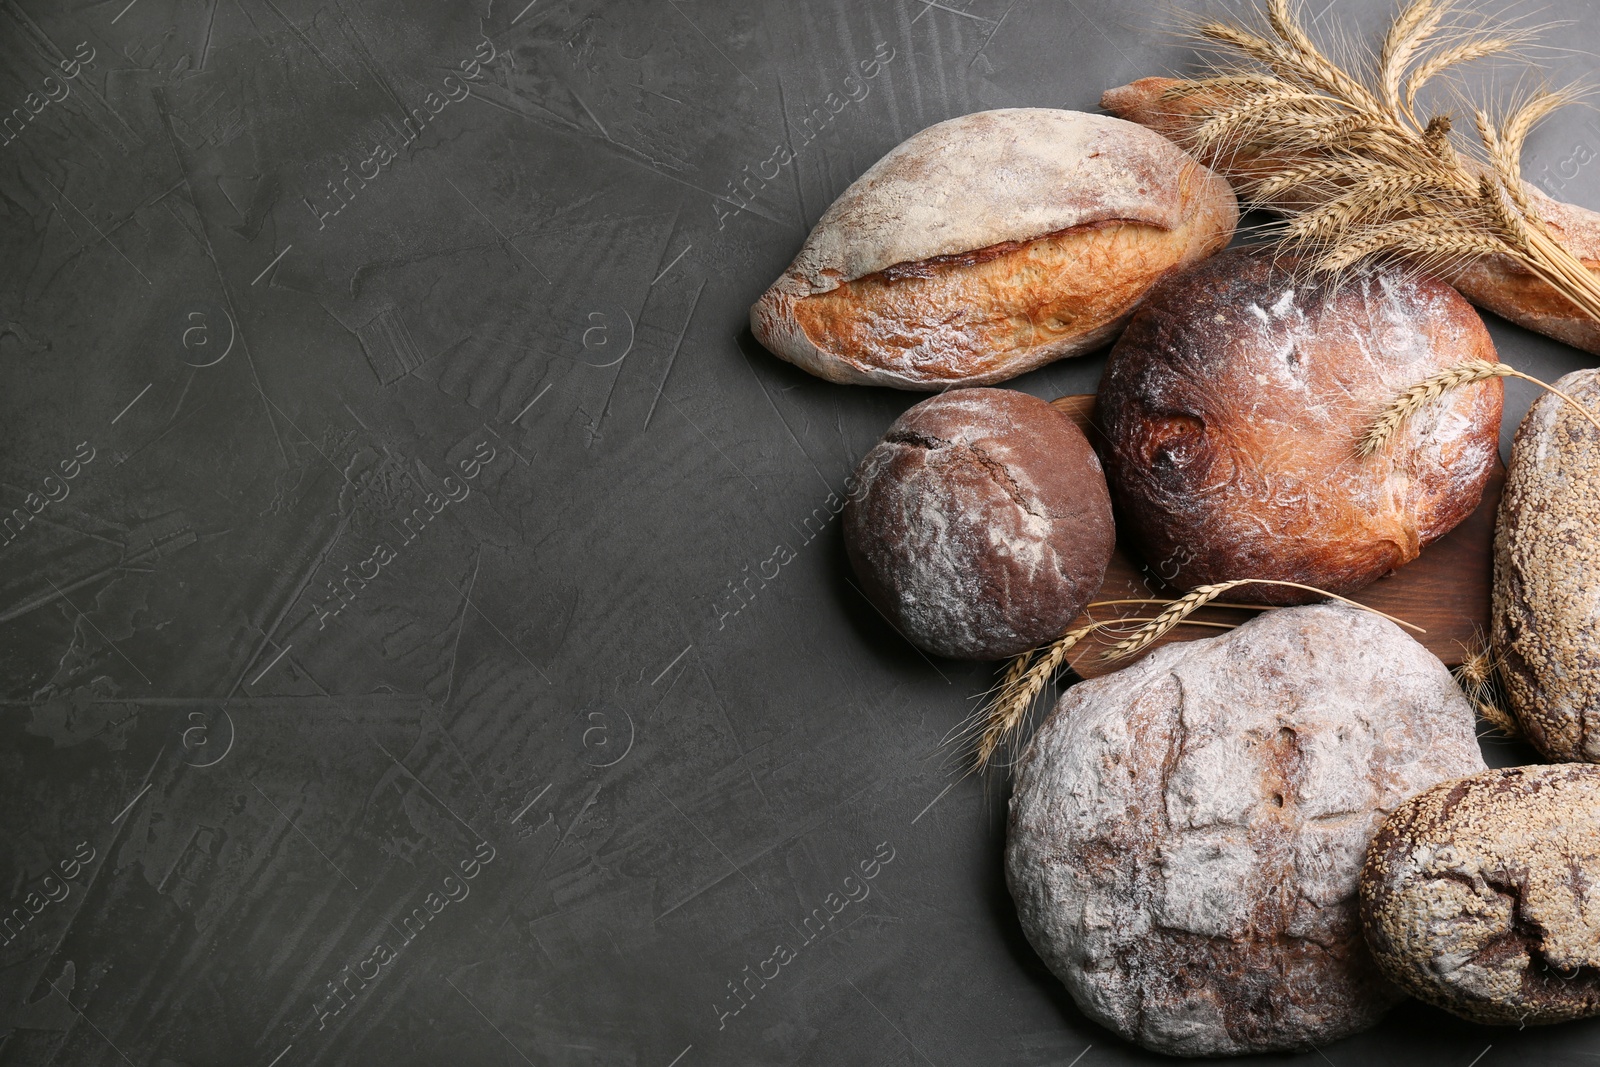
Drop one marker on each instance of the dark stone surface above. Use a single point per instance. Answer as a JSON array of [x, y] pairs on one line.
[[221, 798]]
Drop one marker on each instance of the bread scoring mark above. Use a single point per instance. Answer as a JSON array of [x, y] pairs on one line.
[[916, 440], [931, 267], [997, 471], [956, 317]]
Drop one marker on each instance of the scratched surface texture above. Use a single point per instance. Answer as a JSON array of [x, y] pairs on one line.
[[425, 633]]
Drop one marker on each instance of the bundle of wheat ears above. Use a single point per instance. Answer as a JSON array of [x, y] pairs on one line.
[[1358, 172]]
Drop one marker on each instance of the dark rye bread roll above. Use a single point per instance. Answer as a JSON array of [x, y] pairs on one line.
[[981, 524], [1481, 896], [1545, 631], [988, 245], [1233, 403], [1186, 834]]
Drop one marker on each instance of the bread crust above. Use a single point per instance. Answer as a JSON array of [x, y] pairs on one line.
[[1545, 631], [1009, 227], [1232, 405], [1481, 896], [1495, 283], [981, 524], [1185, 835]]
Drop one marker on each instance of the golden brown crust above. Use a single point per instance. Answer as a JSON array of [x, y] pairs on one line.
[[1495, 283], [1546, 613], [1499, 285], [1232, 404], [1482, 895], [989, 245], [995, 312]]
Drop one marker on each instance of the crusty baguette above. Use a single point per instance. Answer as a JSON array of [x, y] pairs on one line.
[[991, 244], [1496, 283]]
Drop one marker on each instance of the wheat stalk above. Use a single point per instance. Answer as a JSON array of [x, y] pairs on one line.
[[1200, 596], [1416, 397], [1478, 675], [1025, 680], [997, 722], [1358, 172], [1027, 675]]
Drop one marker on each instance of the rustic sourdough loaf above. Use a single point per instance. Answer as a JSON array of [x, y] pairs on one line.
[[1546, 613], [1232, 405], [1482, 895], [988, 245], [1186, 834]]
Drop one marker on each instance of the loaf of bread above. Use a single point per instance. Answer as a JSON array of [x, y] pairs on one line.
[[1545, 632], [1481, 896], [1186, 834], [1232, 405], [988, 245], [980, 525], [1496, 283]]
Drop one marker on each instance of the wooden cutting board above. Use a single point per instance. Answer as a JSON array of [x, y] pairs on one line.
[[1445, 590]]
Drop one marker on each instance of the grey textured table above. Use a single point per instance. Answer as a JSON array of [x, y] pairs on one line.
[[435, 645]]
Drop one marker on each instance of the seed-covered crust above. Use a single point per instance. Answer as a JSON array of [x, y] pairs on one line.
[[1546, 616], [1482, 896]]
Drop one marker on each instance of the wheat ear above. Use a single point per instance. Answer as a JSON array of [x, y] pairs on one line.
[[1004, 716], [998, 721], [1478, 676], [1202, 595], [1416, 397], [1359, 173]]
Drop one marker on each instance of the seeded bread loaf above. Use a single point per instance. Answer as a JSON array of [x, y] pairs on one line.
[[1481, 896], [1546, 610]]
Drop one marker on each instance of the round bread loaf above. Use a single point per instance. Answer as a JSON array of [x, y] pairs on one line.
[[1233, 403], [991, 244], [1186, 834], [1482, 895], [980, 525], [1546, 621]]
